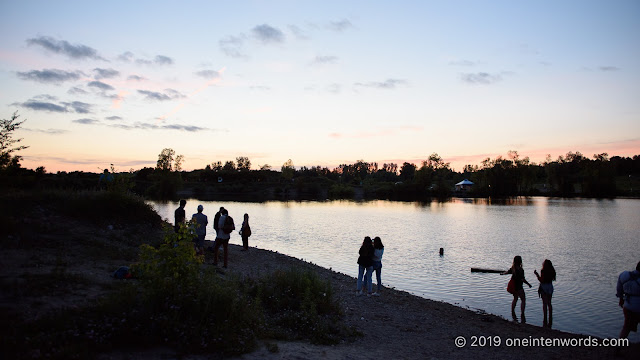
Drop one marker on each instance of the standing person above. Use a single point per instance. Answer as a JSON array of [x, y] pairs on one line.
[[105, 180], [201, 229], [545, 291], [518, 279], [628, 290], [378, 250], [245, 232], [180, 215], [365, 266], [216, 219], [225, 228]]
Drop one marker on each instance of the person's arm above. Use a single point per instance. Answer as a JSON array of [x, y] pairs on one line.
[[620, 291], [506, 272], [525, 281], [537, 275]]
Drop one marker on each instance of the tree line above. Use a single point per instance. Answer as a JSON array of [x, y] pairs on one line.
[[568, 175]]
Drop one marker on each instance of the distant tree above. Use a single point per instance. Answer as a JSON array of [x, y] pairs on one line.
[[7, 127], [265, 167], [178, 162], [165, 159], [390, 168], [244, 164], [216, 166], [408, 171], [288, 170], [229, 166]]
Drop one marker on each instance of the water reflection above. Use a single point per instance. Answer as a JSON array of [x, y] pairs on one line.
[[590, 242]]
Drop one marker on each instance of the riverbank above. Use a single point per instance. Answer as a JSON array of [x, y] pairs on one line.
[[398, 325], [61, 260]]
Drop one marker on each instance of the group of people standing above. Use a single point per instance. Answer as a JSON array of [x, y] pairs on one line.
[[545, 291], [627, 290], [370, 260], [223, 226]]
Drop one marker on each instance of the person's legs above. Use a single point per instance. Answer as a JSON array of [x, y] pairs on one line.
[[245, 243], [360, 275], [550, 307], [544, 310], [216, 246], [379, 277], [368, 279], [225, 246], [523, 303], [513, 303]]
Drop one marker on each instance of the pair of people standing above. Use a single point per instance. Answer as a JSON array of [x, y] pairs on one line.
[[224, 226], [200, 222], [370, 260], [545, 290]]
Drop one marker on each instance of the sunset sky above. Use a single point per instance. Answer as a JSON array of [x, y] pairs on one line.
[[318, 82]]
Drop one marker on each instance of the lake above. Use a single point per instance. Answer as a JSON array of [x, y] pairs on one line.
[[589, 242]]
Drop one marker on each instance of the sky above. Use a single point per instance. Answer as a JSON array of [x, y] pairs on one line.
[[322, 83]]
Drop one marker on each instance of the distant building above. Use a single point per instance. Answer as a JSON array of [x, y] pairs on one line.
[[464, 185]]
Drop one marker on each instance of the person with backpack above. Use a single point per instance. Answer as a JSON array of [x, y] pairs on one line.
[[245, 232], [225, 228], [545, 290], [628, 290]]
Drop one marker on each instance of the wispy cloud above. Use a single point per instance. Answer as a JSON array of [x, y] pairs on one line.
[[50, 76], [169, 94], [163, 60], [298, 32], [608, 68], [105, 73], [208, 74], [113, 118], [136, 78], [78, 107], [86, 121], [42, 106], [159, 60], [233, 46], [387, 84], [481, 78], [46, 103], [63, 47], [268, 34], [77, 91], [324, 59], [100, 86], [47, 131], [149, 126], [340, 26]]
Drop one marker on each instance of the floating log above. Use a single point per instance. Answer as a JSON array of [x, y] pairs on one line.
[[486, 270]]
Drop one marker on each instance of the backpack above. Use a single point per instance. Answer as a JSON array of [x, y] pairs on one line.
[[228, 226], [246, 232]]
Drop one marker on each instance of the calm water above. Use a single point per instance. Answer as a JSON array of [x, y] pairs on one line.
[[589, 242]]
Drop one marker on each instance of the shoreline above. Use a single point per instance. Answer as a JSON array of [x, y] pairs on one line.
[[398, 324]]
